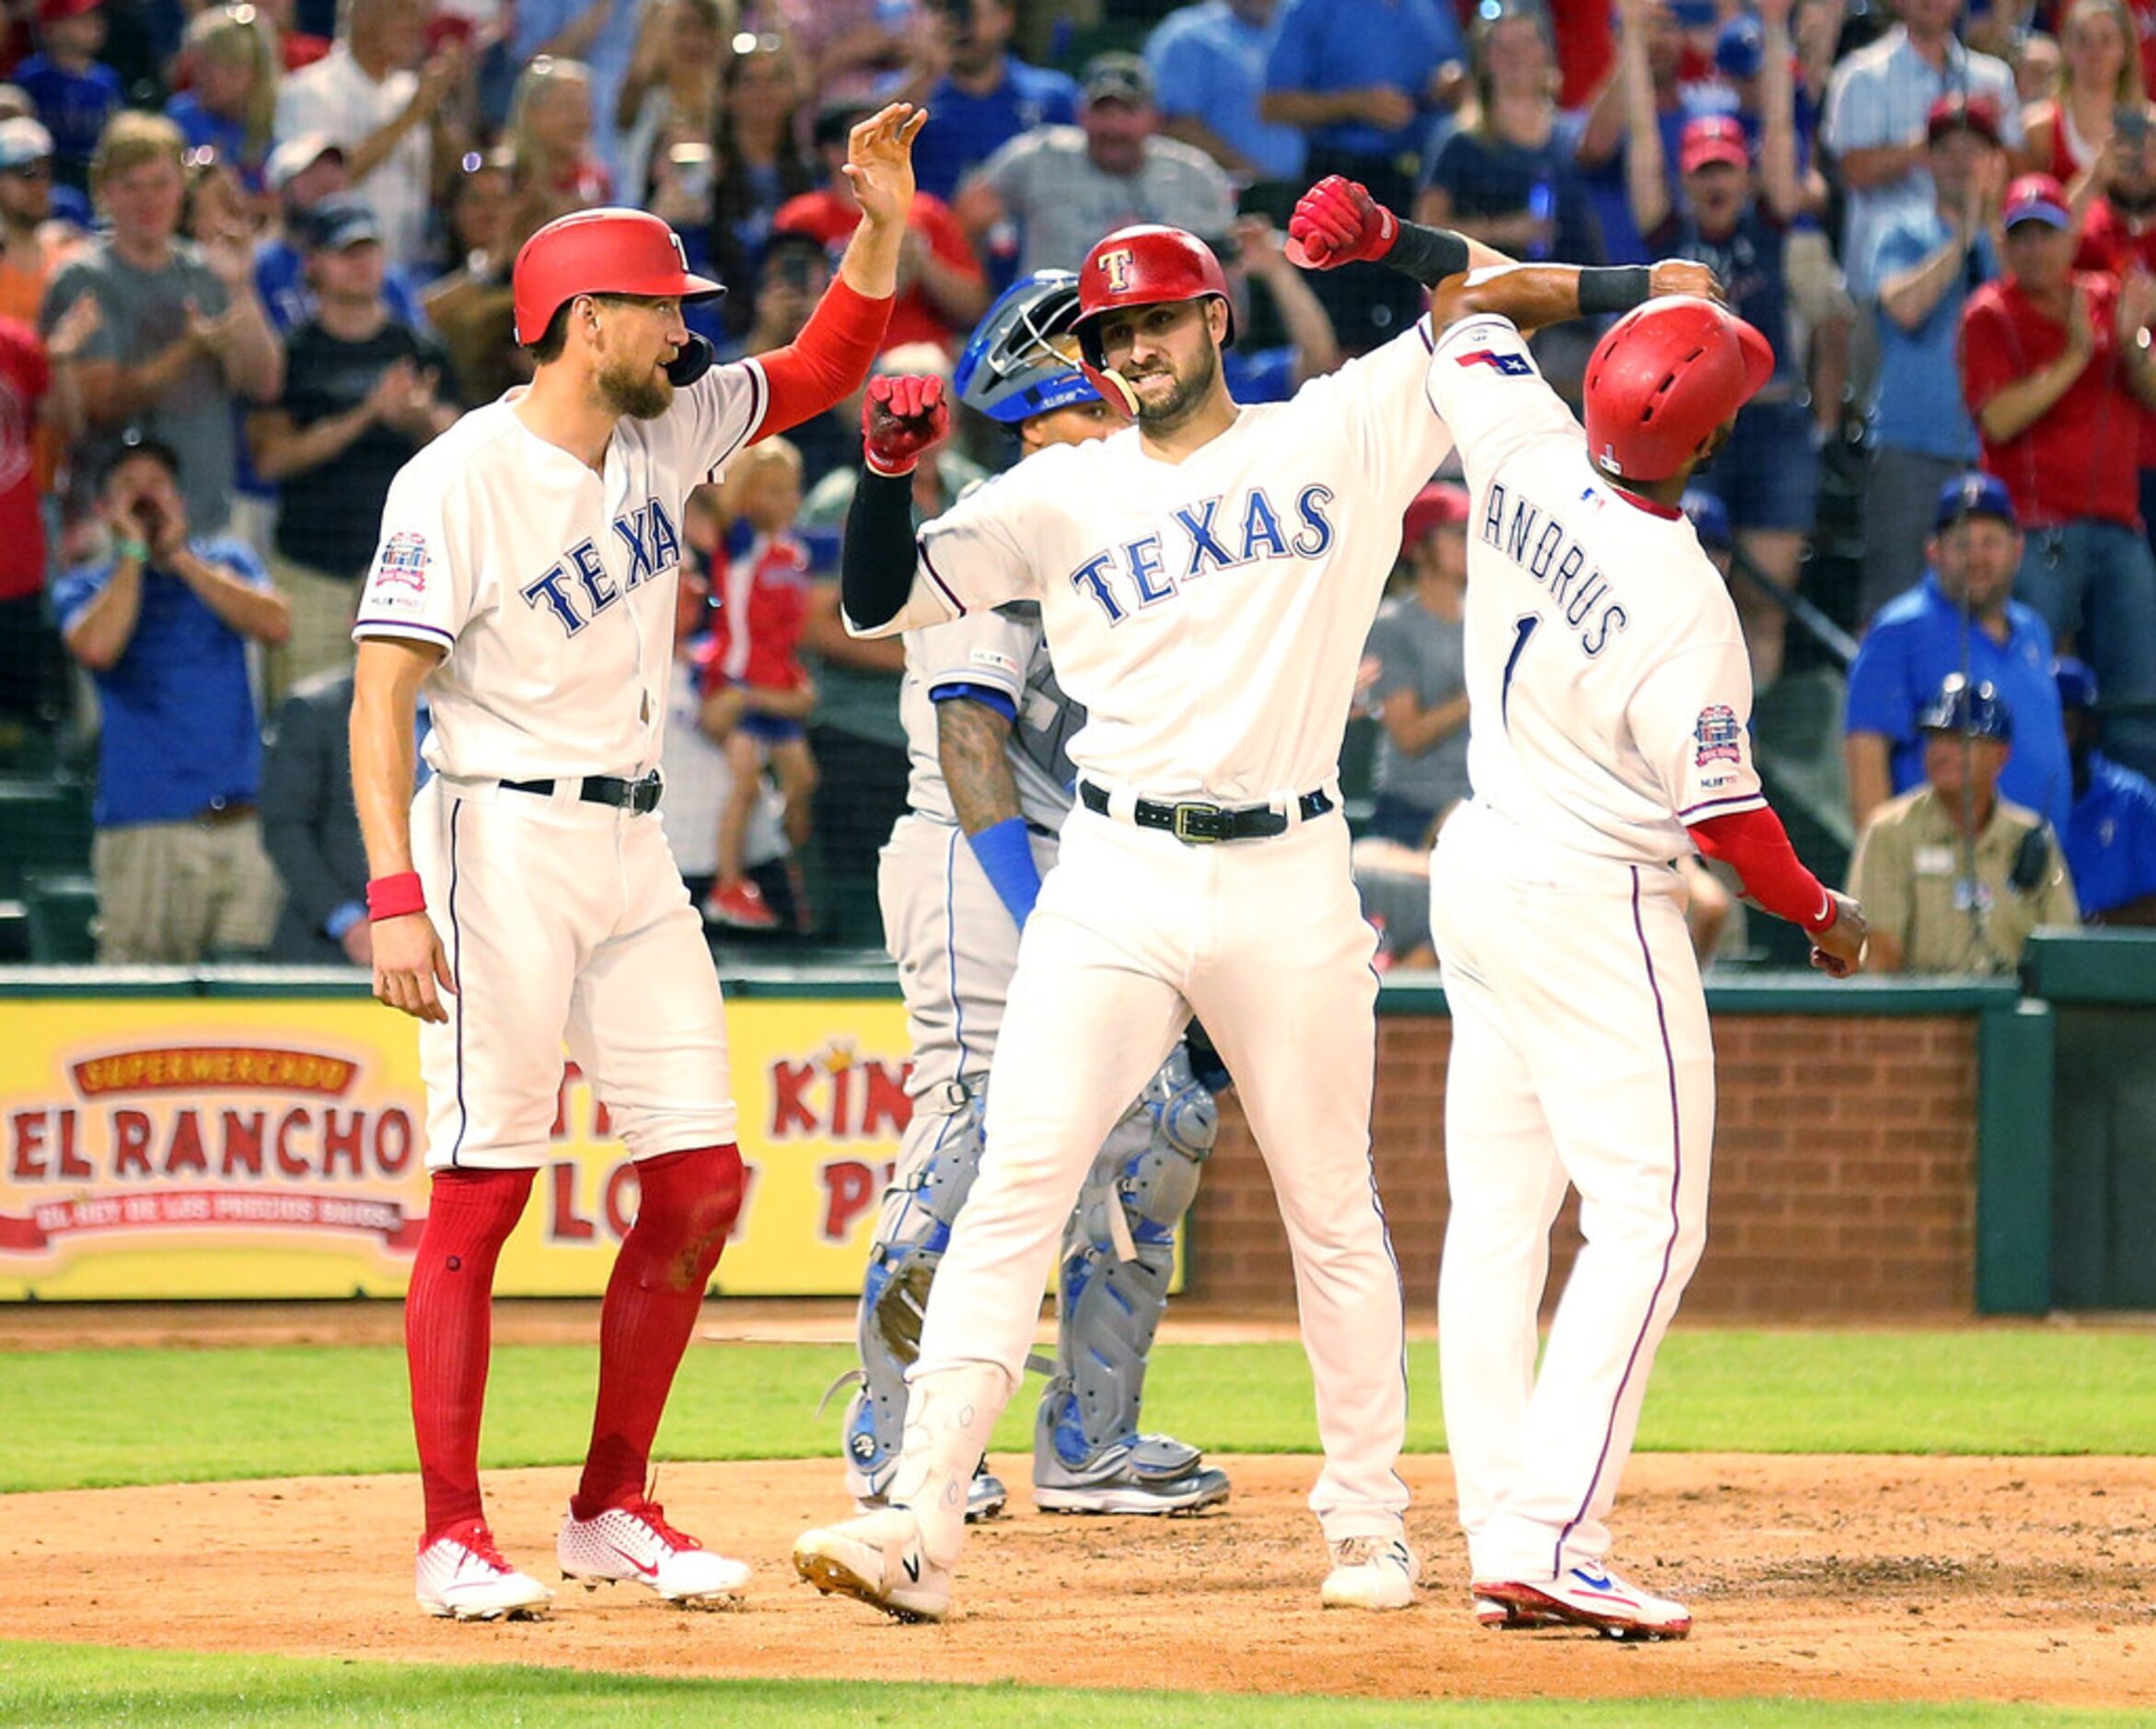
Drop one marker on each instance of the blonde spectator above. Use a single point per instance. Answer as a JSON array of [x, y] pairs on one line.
[[229, 59], [672, 89], [549, 134], [2065, 138], [217, 209]]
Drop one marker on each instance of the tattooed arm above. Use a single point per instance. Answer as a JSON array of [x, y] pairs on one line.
[[973, 745]]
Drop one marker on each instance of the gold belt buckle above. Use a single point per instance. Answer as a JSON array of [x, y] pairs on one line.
[[1183, 832]]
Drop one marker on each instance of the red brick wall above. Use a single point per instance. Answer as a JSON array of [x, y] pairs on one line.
[[1845, 1165]]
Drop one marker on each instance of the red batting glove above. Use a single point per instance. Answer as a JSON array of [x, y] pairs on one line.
[[1337, 222], [901, 418]]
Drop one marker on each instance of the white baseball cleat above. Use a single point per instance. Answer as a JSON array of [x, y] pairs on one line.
[[462, 1576], [1370, 1573], [634, 1543], [879, 1559], [1584, 1596]]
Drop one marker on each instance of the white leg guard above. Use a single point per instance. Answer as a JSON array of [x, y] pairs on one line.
[[949, 1415]]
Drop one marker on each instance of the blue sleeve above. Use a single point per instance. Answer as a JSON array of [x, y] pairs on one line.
[[986, 695], [1895, 250], [72, 593], [239, 558], [1062, 107], [1006, 852], [2139, 814], [1877, 703], [1176, 56], [1287, 66]]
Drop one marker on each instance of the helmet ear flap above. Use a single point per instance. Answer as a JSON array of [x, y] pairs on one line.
[[1114, 389]]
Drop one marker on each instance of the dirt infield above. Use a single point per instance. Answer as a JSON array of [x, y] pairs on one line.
[[1824, 1578]]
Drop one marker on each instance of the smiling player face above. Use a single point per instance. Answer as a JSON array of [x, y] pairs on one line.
[[1169, 354]]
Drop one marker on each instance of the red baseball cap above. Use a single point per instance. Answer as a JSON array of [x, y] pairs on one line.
[[1710, 139], [53, 11], [1957, 112], [1441, 505]]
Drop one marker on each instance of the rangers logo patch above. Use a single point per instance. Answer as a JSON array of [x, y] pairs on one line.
[[1505, 366], [1116, 267], [403, 562], [1718, 735]]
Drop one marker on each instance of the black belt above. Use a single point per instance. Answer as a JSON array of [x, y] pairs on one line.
[[1199, 824], [638, 796]]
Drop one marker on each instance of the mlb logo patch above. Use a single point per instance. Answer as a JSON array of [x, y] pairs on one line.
[[1505, 366], [1718, 735], [403, 562]]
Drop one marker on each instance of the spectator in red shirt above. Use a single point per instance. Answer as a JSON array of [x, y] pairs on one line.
[[942, 291], [2119, 236], [2055, 369], [37, 388], [757, 695]]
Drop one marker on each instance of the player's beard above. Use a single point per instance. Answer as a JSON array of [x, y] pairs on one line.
[[640, 394], [1187, 396]]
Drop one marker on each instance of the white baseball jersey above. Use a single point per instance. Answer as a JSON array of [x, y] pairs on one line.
[[551, 587], [1209, 614], [999, 659], [1605, 667]]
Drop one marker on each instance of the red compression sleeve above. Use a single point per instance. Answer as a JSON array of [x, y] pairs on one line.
[[1754, 844], [827, 363]]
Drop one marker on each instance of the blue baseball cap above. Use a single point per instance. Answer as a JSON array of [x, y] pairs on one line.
[[1739, 50], [1709, 517], [1973, 711], [1975, 494], [2077, 684]]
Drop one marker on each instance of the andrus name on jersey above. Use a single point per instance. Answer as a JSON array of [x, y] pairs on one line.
[[654, 547], [1204, 536], [1544, 547]]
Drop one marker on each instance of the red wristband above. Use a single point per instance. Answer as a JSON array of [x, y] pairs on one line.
[[393, 897]]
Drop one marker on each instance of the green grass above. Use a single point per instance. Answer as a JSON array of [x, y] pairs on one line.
[[90, 1418], [67, 1685]]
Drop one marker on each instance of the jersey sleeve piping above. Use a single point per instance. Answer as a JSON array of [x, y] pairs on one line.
[[1722, 806], [407, 628], [943, 588], [974, 690]]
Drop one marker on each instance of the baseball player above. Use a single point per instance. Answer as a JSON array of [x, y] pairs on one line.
[[527, 576], [1611, 698], [986, 726], [1206, 580]]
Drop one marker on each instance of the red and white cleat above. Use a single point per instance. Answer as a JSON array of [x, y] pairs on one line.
[[461, 1575], [741, 905], [1582, 1596], [635, 1544]]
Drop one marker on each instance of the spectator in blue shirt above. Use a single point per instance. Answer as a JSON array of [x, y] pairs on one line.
[[1961, 618], [1769, 473], [230, 104], [978, 94], [163, 626], [1361, 79], [2110, 836], [74, 94], [1924, 268], [1208, 63]]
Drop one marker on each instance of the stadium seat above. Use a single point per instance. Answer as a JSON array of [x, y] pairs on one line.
[[44, 826], [62, 910]]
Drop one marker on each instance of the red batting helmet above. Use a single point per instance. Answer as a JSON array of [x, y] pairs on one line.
[[606, 251], [1149, 265], [1662, 379]]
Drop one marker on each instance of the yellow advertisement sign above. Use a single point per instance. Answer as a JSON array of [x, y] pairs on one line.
[[276, 1148]]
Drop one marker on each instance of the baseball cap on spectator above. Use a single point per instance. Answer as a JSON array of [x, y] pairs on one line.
[[1739, 49], [337, 222], [22, 141], [292, 159], [1123, 78], [134, 442], [2036, 198], [1975, 494], [2077, 684], [1441, 505], [1710, 139], [1710, 518], [1968, 710], [1957, 112], [53, 11]]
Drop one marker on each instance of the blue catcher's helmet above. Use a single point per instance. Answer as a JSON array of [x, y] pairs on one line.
[[1023, 359], [1974, 710]]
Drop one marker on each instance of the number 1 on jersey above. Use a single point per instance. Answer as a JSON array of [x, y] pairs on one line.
[[1522, 628]]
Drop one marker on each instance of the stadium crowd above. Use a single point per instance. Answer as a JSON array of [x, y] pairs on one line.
[[252, 257]]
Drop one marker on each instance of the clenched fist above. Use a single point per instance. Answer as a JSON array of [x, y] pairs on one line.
[[901, 418], [1337, 222], [1682, 276]]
